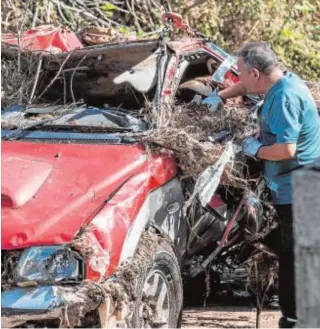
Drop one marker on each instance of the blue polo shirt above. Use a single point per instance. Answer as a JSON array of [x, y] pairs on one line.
[[289, 115]]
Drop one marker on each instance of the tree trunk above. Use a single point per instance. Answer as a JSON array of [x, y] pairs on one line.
[[307, 245]]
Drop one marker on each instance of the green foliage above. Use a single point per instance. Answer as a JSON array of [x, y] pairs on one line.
[[123, 30], [107, 6], [108, 9], [291, 27]]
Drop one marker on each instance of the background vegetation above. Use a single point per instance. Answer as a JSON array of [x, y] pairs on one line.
[[291, 27]]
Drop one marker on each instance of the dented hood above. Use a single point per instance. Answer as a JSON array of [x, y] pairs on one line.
[[49, 191]]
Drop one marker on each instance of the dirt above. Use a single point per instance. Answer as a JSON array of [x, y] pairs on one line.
[[228, 317]]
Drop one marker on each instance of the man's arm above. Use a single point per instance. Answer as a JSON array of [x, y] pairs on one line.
[[277, 152], [236, 90]]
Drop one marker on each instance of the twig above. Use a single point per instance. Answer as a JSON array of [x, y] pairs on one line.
[[55, 77], [19, 32], [107, 21], [121, 9], [7, 18], [195, 4], [49, 12], [102, 15], [72, 75], [149, 11], [208, 285], [79, 11], [11, 5], [253, 27], [36, 79], [61, 13], [35, 17], [154, 3], [132, 12]]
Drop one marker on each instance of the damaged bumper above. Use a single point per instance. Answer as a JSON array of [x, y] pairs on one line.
[[19, 305]]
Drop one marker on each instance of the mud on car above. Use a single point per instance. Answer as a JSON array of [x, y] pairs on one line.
[[93, 227]]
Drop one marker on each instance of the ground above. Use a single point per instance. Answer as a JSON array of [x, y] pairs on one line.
[[228, 317]]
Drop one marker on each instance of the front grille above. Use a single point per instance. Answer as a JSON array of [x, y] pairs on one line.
[[9, 260]]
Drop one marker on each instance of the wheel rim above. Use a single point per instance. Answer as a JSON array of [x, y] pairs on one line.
[[157, 292]]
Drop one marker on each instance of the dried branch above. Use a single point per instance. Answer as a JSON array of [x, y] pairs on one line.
[[55, 77], [36, 79], [195, 4]]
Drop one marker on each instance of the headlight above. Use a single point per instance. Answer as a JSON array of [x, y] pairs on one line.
[[52, 263]]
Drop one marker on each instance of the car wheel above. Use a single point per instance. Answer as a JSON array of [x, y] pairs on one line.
[[159, 292]]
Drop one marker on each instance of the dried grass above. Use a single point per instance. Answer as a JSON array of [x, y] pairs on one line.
[[18, 78], [186, 134], [119, 291], [262, 274]]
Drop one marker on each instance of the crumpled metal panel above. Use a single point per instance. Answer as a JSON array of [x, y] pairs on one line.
[[68, 303], [48, 38], [143, 75], [110, 227], [74, 194], [39, 298]]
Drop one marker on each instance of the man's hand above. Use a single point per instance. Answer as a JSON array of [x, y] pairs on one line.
[[251, 146], [214, 102]]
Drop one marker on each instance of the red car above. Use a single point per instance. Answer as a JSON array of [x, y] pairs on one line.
[[80, 196]]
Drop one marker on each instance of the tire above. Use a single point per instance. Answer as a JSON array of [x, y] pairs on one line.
[[158, 289]]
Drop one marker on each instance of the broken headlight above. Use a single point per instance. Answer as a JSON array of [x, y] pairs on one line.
[[51, 263]]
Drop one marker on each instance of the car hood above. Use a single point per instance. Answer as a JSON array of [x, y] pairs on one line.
[[50, 190]]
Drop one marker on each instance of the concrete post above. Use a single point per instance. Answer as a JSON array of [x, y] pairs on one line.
[[306, 207]]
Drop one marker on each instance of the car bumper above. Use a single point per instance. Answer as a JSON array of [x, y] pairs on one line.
[[19, 305]]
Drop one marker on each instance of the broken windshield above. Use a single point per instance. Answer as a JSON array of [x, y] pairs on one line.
[[78, 118]]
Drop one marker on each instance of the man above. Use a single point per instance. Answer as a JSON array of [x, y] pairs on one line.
[[289, 138]]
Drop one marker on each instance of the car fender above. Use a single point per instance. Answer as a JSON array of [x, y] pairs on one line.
[[162, 209], [153, 195]]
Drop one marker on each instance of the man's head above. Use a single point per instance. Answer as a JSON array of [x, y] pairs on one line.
[[258, 66]]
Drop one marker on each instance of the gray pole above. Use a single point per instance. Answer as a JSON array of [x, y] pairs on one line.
[[306, 206]]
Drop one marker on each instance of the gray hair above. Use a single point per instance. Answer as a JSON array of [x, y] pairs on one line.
[[258, 55]]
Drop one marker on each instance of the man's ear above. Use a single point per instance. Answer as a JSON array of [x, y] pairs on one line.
[[255, 74]]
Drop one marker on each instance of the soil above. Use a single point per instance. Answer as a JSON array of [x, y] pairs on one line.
[[228, 317], [227, 307]]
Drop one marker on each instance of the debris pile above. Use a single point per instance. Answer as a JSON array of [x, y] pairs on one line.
[[115, 296], [197, 137], [18, 77]]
